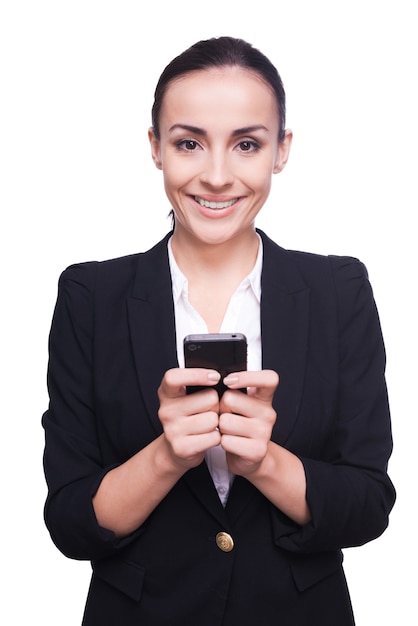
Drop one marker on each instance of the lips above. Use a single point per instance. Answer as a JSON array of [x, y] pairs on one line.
[[215, 205]]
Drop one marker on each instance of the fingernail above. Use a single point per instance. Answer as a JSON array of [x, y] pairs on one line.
[[230, 380], [214, 376]]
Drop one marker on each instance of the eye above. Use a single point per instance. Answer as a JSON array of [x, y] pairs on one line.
[[187, 145], [248, 145]]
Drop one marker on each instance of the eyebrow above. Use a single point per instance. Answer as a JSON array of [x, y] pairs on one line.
[[246, 130], [192, 129]]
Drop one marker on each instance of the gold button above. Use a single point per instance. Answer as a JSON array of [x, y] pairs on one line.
[[224, 541]]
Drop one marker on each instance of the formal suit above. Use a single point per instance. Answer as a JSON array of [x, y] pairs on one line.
[[112, 339]]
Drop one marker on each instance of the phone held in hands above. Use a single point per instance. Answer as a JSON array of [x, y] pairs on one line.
[[223, 352]]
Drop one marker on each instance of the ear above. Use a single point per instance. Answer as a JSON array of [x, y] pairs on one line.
[[283, 151], [155, 148]]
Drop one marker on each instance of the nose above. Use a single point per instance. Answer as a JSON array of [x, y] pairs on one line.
[[217, 172]]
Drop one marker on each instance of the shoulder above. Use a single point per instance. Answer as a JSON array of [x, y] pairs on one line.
[[86, 272], [337, 271], [315, 269], [117, 273], [337, 285]]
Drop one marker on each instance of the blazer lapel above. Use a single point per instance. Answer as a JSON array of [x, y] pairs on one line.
[[152, 325], [153, 336], [284, 328]]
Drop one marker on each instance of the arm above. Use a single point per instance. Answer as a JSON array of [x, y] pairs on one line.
[[348, 491], [246, 423], [91, 491], [130, 492], [72, 456]]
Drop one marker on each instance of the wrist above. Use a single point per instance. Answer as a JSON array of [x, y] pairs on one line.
[[164, 463], [267, 466]]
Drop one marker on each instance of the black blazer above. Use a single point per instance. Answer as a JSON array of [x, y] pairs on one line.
[[112, 339]]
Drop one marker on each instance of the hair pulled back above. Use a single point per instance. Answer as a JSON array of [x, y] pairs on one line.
[[220, 52]]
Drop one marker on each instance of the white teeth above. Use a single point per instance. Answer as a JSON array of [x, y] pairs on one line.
[[215, 205]]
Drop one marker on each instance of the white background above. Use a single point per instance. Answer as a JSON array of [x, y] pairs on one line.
[[77, 183]]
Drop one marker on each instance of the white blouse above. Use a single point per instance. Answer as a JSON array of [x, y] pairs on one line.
[[243, 316]]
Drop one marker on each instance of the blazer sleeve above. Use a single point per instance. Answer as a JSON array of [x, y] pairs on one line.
[[72, 457], [349, 492]]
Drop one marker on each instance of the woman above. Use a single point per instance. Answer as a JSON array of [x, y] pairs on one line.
[[196, 509]]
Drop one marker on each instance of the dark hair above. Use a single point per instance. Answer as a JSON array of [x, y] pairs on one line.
[[221, 52]]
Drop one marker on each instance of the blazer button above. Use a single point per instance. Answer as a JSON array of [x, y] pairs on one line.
[[224, 542]]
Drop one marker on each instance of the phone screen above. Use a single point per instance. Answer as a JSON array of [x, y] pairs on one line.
[[223, 352]]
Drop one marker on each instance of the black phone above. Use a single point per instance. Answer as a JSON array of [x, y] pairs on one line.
[[223, 352]]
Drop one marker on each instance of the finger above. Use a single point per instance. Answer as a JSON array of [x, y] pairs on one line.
[[262, 383], [240, 426], [187, 448], [244, 448], [246, 406], [191, 425], [173, 408], [177, 379]]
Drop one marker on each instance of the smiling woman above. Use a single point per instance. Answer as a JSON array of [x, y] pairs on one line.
[[218, 147], [195, 508]]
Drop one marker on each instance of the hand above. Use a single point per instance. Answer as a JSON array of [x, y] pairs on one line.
[[246, 420], [190, 422]]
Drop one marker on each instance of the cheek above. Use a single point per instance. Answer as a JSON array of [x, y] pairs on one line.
[[177, 174], [172, 180], [259, 178], [258, 171]]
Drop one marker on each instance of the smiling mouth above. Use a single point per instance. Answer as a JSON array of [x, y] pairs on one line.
[[215, 205]]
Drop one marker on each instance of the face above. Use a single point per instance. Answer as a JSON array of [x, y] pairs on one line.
[[218, 149]]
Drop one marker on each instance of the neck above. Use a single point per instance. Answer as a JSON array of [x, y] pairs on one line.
[[214, 271], [234, 257]]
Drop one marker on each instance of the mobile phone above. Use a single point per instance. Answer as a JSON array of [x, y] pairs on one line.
[[223, 352]]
